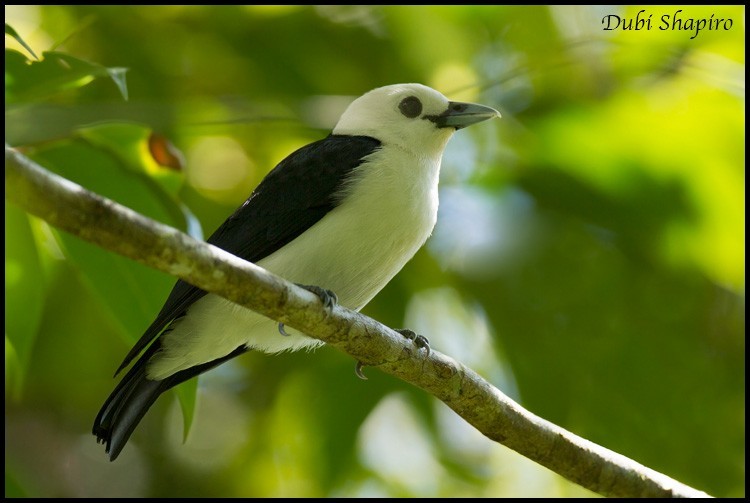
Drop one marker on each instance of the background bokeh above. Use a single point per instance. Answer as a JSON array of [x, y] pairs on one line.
[[588, 258]]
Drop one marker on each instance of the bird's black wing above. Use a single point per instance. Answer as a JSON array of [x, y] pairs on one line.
[[297, 193]]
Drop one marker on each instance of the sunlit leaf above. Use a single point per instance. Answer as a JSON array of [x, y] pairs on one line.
[[56, 72], [10, 31], [141, 150]]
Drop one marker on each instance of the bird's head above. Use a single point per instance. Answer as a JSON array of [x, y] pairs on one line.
[[412, 116]]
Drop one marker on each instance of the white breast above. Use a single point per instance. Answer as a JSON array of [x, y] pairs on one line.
[[387, 213]]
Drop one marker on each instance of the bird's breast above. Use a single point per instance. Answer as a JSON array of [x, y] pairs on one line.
[[386, 212]]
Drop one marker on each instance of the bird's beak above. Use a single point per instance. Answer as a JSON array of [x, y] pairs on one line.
[[459, 115]]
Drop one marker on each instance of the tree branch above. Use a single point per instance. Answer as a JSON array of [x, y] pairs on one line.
[[93, 218]]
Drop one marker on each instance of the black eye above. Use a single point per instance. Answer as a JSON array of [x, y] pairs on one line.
[[411, 107]]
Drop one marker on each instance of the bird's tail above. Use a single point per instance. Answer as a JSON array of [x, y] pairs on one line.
[[127, 404], [135, 394]]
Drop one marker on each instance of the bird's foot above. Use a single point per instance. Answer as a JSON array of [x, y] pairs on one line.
[[327, 297], [419, 340]]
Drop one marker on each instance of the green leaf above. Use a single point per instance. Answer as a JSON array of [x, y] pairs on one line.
[[115, 161], [187, 393], [117, 74], [10, 31], [56, 72], [143, 151], [13, 488], [24, 296], [140, 150], [131, 292]]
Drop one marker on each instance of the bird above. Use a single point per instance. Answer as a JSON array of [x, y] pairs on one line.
[[340, 216]]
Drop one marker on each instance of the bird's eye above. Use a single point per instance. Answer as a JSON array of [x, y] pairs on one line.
[[411, 107]]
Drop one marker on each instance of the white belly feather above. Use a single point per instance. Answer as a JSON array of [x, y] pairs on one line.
[[388, 213]]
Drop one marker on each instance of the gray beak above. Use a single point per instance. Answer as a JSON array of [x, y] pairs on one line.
[[459, 115]]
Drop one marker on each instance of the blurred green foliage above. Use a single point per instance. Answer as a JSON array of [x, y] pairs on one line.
[[588, 258]]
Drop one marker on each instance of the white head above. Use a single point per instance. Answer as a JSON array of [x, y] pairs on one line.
[[412, 116]]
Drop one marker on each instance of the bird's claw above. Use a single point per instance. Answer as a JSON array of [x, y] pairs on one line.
[[358, 371], [327, 297], [419, 340]]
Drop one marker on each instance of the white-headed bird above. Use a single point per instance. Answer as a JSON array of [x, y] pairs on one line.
[[342, 214]]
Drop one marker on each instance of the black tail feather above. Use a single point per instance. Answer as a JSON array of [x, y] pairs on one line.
[[135, 394], [127, 404]]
